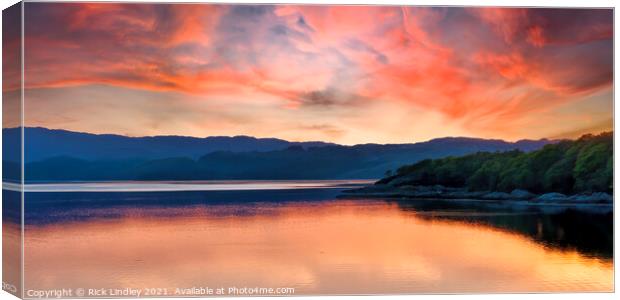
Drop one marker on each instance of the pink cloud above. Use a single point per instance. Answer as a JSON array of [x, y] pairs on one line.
[[479, 67]]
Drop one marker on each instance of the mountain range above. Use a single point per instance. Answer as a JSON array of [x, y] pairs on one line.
[[61, 155], [42, 143]]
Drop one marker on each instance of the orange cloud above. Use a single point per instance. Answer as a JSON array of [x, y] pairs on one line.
[[480, 69]]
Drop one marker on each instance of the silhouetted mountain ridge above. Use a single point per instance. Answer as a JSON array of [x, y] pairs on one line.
[[58, 155], [42, 143]]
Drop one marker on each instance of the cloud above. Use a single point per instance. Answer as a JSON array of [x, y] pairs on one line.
[[602, 126], [478, 68], [330, 97], [358, 45], [139, 45], [330, 132]]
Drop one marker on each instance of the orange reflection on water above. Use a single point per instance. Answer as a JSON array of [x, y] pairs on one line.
[[11, 253], [339, 247]]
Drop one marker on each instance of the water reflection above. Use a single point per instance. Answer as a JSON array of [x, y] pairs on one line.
[[307, 240], [11, 241], [588, 233]]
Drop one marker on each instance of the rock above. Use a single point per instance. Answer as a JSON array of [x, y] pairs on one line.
[[442, 192], [521, 194], [370, 189], [603, 197], [592, 198], [551, 197], [439, 188], [421, 188], [497, 196], [430, 194], [579, 198], [463, 194]]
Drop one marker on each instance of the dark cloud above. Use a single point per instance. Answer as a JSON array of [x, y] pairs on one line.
[[358, 45], [301, 22], [330, 97], [248, 34], [569, 26]]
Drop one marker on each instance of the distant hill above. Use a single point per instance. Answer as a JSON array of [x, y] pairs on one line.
[[58, 155], [43, 143]]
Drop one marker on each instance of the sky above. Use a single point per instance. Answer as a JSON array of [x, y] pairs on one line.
[[344, 74]]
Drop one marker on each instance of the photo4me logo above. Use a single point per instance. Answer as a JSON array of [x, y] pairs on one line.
[[242, 291]]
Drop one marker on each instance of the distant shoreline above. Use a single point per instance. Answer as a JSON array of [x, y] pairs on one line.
[[572, 174], [595, 202]]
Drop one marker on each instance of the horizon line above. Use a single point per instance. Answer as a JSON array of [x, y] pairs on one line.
[[308, 141]]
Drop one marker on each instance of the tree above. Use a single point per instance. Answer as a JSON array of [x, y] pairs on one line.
[[583, 165]]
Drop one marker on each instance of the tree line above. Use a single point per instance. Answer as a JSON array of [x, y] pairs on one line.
[[569, 166]]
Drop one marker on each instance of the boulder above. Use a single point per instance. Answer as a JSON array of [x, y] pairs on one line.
[[422, 189], [603, 197], [497, 196], [522, 194], [463, 194], [551, 197], [592, 198]]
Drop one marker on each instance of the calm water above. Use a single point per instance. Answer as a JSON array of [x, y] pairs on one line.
[[300, 235]]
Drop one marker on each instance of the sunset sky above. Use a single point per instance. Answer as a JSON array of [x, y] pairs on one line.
[[344, 74]]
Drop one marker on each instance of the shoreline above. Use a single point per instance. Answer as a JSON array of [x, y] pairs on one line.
[[592, 202]]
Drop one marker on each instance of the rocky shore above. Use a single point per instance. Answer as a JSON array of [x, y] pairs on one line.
[[441, 192]]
